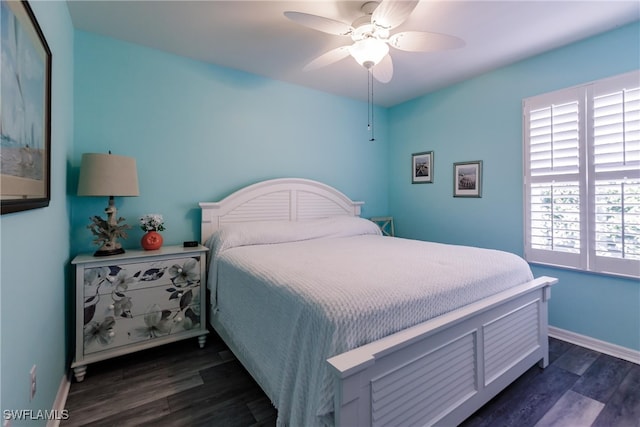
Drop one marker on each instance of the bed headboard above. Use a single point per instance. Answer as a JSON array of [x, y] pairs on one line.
[[284, 199]]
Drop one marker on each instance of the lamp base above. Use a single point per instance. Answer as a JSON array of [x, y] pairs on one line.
[[110, 248], [108, 231], [108, 252]]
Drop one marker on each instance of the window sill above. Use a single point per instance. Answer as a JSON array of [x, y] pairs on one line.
[[578, 270]]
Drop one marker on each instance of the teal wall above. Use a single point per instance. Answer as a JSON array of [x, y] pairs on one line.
[[35, 249], [199, 132], [481, 119]]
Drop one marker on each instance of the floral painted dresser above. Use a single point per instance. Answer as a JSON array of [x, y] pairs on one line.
[[137, 300]]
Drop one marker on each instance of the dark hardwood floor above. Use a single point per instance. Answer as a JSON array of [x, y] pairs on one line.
[[182, 385]]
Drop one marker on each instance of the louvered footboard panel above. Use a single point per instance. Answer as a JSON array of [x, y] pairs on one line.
[[509, 339], [438, 381]]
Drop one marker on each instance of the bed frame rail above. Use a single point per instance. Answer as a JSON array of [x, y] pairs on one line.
[[442, 371]]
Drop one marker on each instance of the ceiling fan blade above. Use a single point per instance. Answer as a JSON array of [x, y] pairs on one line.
[[334, 55], [389, 13], [383, 71], [320, 23], [418, 41]]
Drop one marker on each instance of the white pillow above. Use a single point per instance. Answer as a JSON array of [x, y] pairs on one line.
[[270, 232]]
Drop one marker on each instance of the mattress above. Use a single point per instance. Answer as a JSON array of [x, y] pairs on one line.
[[289, 296]]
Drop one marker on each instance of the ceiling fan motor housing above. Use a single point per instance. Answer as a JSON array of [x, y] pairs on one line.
[[369, 30], [362, 26]]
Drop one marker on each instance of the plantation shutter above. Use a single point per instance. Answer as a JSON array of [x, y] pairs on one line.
[[582, 176], [616, 178], [552, 167]]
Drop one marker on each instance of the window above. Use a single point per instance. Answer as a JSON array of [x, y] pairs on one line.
[[582, 176]]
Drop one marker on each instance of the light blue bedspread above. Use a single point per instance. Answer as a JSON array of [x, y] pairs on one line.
[[291, 296]]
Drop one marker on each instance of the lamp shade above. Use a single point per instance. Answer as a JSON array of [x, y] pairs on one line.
[[368, 52], [107, 175]]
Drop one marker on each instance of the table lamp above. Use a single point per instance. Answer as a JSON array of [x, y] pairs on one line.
[[108, 175]]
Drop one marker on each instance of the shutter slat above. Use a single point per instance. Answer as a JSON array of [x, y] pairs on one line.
[[616, 131], [555, 223], [553, 140], [617, 212]]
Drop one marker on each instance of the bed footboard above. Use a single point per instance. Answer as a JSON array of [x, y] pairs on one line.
[[443, 370]]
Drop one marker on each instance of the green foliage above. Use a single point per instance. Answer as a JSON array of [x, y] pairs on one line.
[[556, 220]]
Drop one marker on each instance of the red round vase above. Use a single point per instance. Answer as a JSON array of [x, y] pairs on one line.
[[151, 241]]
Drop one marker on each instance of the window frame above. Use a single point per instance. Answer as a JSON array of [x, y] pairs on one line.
[[586, 259]]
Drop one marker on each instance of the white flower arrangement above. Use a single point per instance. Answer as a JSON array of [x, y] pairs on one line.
[[152, 222]]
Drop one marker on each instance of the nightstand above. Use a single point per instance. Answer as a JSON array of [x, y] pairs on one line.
[[137, 300], [385, 223]]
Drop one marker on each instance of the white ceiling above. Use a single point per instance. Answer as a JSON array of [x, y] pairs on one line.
[[256, 37]]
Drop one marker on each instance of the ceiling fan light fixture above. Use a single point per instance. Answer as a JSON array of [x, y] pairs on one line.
[[369, 52]]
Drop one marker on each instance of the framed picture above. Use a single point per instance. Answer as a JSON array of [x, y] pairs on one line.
[[422, 168], [25, 110], [467, 179]]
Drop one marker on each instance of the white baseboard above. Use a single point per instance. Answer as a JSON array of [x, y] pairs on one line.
[[595, 344], [61, 399]]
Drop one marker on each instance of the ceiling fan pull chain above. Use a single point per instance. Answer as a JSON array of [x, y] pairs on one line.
[[370, 103]]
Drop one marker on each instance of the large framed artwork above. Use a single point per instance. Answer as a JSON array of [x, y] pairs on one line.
[[25, 110], [422, 168], [467, 179]]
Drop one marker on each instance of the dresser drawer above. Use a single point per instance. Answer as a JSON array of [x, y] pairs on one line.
[[128, 304], [116, 277], [109, 332]]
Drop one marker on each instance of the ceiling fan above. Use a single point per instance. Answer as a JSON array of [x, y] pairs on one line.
[[371, 36]]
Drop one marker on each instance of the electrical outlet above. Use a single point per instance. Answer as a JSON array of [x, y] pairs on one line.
[[32, 383]]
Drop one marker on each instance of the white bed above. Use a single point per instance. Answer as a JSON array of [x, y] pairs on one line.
[[296, 279]]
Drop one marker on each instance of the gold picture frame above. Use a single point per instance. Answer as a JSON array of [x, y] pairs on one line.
[[25, 112]]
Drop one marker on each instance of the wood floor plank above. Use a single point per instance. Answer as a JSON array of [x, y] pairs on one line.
[[262, 410], [100, 376], [149, 413], [557, 348], [220, 383], [228, 412], [572, 409], [110, 400], [602, 378], [577, 360], [182, 355], [623, 409]]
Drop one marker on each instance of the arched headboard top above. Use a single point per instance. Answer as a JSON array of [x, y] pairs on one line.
[[283, 199]]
